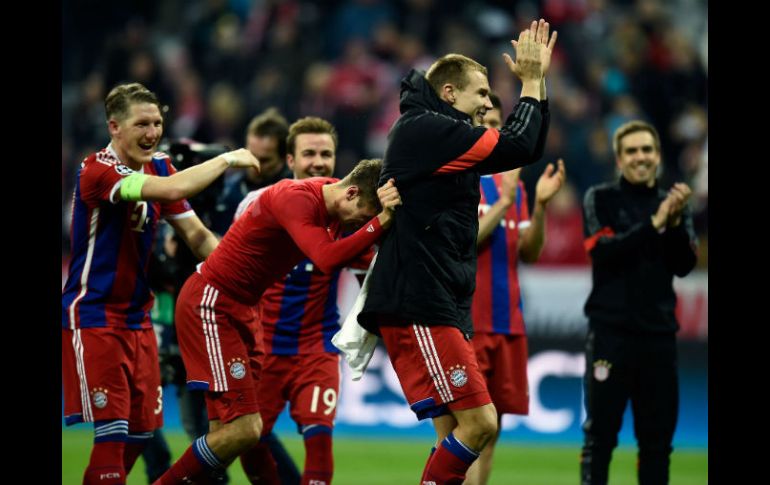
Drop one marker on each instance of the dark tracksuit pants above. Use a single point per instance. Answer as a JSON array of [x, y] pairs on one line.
[[622, 367]]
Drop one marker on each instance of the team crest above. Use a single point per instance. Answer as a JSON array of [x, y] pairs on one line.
[[237, 368], [99, 397], [457, 376], [122, 169], [602, 370]]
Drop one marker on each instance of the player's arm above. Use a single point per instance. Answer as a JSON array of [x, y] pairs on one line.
[[602, 243], [680, 241], [298, 218], [184, 184], [532, 238], [198, 237], [489, 221]]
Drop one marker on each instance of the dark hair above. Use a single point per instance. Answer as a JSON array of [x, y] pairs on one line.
[[633, 127], [271, 123], [452, 69], [366, 175], [309, 124], [121, 97]]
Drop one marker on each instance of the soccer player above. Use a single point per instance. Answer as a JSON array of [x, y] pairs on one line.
[[422, 308], [638, 236], [506, 233], [110, 368], [217, 313], [299, 318]]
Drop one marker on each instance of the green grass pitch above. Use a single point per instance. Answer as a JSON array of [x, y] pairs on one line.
[[400, 462]]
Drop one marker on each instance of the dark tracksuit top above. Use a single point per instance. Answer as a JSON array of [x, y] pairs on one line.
[[631, 343], [633, 265], [426, 265]]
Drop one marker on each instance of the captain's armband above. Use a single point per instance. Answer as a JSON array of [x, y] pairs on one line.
[[131, 187]]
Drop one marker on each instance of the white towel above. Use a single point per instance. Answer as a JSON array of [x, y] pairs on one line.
[[355, 342]]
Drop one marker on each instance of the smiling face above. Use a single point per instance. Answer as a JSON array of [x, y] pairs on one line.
[[314, 156], [638, 158], [136, 136], [473, 99]]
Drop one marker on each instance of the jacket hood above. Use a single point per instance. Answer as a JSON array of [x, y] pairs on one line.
[[416, 93]]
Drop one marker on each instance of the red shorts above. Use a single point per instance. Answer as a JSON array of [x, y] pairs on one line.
[[221, 344], [112, 373], [309, 382], [503, 361], [436, 367]]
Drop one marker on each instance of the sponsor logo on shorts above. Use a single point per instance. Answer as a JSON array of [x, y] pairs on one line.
[[99, 397], [370, 228], [457, 375], [237, 368], [602, 370]]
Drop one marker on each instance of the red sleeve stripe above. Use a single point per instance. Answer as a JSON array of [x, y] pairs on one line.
[[590, 243], [478, 152]]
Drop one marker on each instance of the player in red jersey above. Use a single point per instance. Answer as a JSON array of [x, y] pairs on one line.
[[299, 318], [218, 321], [506, 233], [110, 368]]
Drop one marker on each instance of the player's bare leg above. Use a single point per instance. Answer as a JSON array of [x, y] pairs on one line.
[[461, 445], [479, 471], [215, 450]]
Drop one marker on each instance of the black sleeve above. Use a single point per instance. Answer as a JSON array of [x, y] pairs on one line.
[[680, 245], [602, 243], [493, 165], [432, 144]]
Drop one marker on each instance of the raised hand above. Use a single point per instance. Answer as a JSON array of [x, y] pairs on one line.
[[550, 182], [540, 32], [509, 185], [528, 65]]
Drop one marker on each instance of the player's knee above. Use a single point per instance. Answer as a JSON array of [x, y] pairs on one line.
[[485, 424], [247, 430]]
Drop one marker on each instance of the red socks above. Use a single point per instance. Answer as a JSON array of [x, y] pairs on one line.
[[449, 463], [259, 465], [319, 462], [106, 465]]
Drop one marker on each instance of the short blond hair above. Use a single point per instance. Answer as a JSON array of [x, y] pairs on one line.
[[452, 69], [633, 127]]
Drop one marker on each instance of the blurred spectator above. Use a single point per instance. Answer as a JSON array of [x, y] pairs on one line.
[[217, 60]]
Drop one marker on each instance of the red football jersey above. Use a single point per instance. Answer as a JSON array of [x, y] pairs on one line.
[[284, 223], [111, 244], [497, 305]]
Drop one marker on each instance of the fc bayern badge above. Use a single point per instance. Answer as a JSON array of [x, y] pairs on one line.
[[99, 397], [602, 370], [457, 376], [237, 368]]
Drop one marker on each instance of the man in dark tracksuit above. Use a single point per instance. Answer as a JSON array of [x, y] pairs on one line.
[[421, 286], [638, 236]]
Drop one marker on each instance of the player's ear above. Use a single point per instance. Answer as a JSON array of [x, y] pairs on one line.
[[290, 161], [351, 192], [113, 126]]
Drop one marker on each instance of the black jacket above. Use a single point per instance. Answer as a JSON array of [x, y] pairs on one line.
[[426, 265], [633, 264]]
